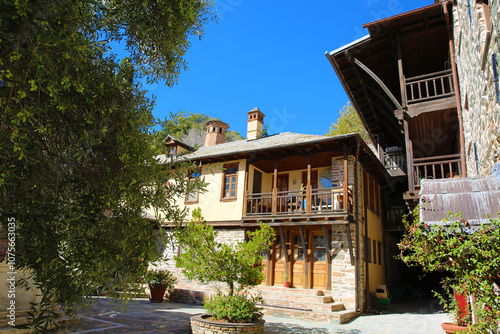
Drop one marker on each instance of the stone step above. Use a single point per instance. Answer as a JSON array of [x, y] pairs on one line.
[[294, 291], [311, 306], [21, 319], [268, 295], [338, 317]]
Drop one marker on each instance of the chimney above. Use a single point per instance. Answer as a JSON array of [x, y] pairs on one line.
[[216, 132], [255, 124]]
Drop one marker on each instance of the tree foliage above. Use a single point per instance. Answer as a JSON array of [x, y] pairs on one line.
[[348, 122], [470, 253], [206, 259], [76, 164]]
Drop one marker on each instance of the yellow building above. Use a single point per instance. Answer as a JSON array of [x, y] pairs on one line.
[[322, 195]]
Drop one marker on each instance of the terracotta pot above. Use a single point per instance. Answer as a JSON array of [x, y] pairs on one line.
[[286, 284], [451, 328], [157, 291]]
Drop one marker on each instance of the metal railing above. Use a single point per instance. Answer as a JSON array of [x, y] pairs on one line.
[[429, 86], [438, 167]]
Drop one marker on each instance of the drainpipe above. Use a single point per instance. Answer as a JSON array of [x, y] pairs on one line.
[[447, 15]]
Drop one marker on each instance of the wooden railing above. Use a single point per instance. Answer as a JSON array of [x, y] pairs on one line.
[[429, 86], [295, 202], [395, 159], [439, 167]]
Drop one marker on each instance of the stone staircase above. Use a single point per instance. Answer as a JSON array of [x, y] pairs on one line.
[[304, 304], [20, 322]]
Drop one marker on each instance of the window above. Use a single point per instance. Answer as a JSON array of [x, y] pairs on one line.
[[230, 178], [192, 196], [373, 197], [374, 252], [379, 253], [368, 250]]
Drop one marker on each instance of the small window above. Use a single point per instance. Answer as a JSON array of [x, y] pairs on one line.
[[230, 179], [374, 252], [379, 253], [368, 250], [192, 197]]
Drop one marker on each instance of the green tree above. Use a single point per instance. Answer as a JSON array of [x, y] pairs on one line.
[[189, 129], [207, 260], [348, 122], [76, 163]]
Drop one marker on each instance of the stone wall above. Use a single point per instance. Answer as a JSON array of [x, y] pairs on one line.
[[476, 42], [192, 291]]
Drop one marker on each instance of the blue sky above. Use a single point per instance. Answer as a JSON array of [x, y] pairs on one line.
[[271, 55]]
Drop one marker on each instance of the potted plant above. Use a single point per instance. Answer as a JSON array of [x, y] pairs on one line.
[[159, 281], [472, 255], [206, 260], [286, 282]]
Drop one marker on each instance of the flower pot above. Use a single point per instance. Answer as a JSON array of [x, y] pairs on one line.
[[286, 284], [200, 325], [451, 328], [157, 291]]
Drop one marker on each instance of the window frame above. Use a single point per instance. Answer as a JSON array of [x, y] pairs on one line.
[[226, 167], [193, 175]]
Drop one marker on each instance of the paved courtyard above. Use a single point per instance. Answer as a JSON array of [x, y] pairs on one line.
[[142, 316]]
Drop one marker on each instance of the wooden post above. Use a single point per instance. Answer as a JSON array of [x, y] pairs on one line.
[[245, 190], [275, 188], [306, 258], [283, 245], [328, 258], [409, 155], [308, 187], [402, 80], [346, 181]]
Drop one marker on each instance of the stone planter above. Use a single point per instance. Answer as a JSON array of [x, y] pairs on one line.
[[199, 325], [451, 328]]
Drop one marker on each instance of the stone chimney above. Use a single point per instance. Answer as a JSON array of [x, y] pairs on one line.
[[216, 132], [255, 124]]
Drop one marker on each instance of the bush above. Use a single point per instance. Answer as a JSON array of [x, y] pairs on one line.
[[239, 307], [161, 276]]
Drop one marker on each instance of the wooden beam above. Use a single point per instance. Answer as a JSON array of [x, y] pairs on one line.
[[275, 188], [429, 106], [346, 182], [402, 81], [245, 189], [349, 243], [309, 187], [283, 245], [409, 155], [328, 258], [380, 82], [306, 258]]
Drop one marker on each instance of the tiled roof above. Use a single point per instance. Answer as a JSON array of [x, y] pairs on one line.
[[274, 141]]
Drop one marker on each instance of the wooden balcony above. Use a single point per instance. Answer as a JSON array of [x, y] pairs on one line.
[[438, 167], [298, 204], [429, 87]]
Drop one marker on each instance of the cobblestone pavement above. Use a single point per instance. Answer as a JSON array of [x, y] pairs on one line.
[[142, 316]]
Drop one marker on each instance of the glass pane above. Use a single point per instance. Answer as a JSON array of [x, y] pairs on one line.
[[323, 255], [227, 186], [301, 254], [233, 194], [233, 186], [316, 241], [322, 241], [233, 179], [316, 255]]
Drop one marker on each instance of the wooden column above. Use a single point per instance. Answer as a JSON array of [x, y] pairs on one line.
[[346, 180], [245, 190], [308, 187], [306, 257], [275, 188], [402, 80], [328, 258], [283, 245], [409, 156]]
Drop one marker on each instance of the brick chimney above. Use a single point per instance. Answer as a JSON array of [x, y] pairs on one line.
[[255, 124], [216, 132]]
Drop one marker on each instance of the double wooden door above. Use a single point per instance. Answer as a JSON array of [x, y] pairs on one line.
[[301, 256]]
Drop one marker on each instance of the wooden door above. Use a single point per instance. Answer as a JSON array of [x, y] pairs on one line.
[[298, 263], [319, 264], [279, 261], [265, 268], [282, 188]]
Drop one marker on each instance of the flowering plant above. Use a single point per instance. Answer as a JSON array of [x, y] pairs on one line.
[[471, 254]]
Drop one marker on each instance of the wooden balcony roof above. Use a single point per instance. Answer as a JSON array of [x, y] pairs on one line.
[[423, 38]]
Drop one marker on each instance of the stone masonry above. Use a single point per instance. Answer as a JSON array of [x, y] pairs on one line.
[[476, 31]]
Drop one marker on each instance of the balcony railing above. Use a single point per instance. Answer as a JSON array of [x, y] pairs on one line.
[[295, 202], [395, 158], [429, 86], [439, 167]]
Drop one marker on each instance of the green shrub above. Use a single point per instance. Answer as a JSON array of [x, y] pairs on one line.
[[240, 307], [161, 276]]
